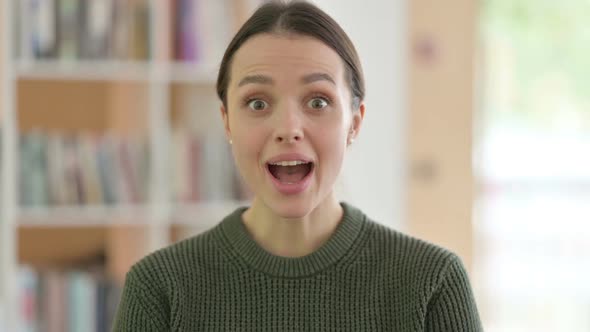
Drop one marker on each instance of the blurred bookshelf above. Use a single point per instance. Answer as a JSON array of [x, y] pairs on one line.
[[111, 147], [90, 70]]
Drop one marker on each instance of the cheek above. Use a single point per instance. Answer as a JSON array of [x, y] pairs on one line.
[[246, 160], [248, 141], [330, 144], [330, 132]]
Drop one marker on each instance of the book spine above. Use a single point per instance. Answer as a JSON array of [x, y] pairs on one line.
[[66, 300], [194, 151], [29, 285], [97, 16], [82, 170], [69, 26]]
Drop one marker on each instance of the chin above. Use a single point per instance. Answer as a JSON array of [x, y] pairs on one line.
[[290, 208]]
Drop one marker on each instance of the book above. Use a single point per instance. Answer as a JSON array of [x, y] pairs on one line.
[[120, 39], [71, 30], [82, 169], [54, 302], [55, 174], [43, 27], [180, 179], [28, 282], [108, 173], [141, 31], [89, 165], [203, 169], [69, 23], [77, 299], [187, 31], [32, 165], [96, 22], [81, 293]]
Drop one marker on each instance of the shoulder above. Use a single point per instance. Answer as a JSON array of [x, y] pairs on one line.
[[166, 268], [394, 244], [411, 260]]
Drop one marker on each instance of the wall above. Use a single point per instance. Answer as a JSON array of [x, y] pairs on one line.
[[411, 166], [2, 73], [373, 175], [2, 47], [441, 86]]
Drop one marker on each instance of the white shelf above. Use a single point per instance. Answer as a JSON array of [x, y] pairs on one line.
[[201, 215], [126, 71], [192, 73], [83, 70], [77, 216]]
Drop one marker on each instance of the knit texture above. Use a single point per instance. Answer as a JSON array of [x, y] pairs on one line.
[[366, 277]]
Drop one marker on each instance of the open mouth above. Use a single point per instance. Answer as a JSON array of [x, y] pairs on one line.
[[290, 172]]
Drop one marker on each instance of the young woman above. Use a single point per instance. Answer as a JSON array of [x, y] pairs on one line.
[[297, 259]]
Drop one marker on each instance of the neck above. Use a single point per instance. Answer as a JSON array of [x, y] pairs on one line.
[[292, 237]]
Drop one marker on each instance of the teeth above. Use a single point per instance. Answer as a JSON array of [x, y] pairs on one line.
[[289, 163]]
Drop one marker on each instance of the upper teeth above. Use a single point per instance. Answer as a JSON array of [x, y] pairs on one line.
[[289, 163]]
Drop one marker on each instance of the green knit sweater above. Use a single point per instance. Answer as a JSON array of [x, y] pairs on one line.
[[366, 277]]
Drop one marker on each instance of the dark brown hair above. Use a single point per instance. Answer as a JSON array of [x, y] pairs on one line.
[[301, 18]]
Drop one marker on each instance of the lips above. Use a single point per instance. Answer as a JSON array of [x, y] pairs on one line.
[[290, 171], [295, 180], [289, 157]]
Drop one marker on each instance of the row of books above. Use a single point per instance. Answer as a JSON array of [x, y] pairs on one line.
[[57, 301], [203, 169], [65, 170], [76, 29], [201, 29], [58, 169], [110, 29]]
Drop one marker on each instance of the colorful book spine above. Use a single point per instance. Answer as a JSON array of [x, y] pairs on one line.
[[81, 170], [109, 29], [203, 169], [66, 300], [70, 30]]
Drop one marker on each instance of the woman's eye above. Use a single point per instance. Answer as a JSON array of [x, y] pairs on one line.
[[318, 103], [257, 104]]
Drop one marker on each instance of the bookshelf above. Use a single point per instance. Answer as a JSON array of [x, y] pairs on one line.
[[146, 101], [8, 202], [114, 71]]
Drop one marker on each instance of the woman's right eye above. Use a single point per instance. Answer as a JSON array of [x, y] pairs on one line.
[[257, 104]]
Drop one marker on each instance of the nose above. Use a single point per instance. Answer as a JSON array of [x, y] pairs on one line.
[[289, 125]]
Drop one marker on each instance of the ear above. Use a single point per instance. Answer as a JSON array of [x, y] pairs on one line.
[[356, 123], [225, 118]]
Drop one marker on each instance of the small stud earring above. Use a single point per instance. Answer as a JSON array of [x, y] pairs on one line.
[[231, 142], [350, 141]]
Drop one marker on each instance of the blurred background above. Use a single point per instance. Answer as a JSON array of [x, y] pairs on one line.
[[476, 137]]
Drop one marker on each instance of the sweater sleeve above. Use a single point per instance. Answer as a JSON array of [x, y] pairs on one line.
[[139, 309], [453, 307]]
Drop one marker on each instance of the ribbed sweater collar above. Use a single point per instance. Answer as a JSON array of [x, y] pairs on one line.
[[342, 241]]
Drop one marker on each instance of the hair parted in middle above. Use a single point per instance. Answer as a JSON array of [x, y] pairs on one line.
[[296, 18]]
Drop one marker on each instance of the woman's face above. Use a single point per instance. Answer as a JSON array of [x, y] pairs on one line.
[[289, 117]]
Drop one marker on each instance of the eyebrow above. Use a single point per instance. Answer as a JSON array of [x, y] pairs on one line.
[[256, 79], [263, 79], [307, 79]]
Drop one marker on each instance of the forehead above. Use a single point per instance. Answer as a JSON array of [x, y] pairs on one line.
[[270, 53]]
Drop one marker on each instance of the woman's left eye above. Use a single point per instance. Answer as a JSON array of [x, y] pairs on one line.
[[318, 103]]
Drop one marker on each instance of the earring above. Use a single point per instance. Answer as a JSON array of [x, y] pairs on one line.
[[231, 142], [350, 138]]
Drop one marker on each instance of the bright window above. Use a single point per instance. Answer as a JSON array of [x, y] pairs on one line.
[[532, 160]]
